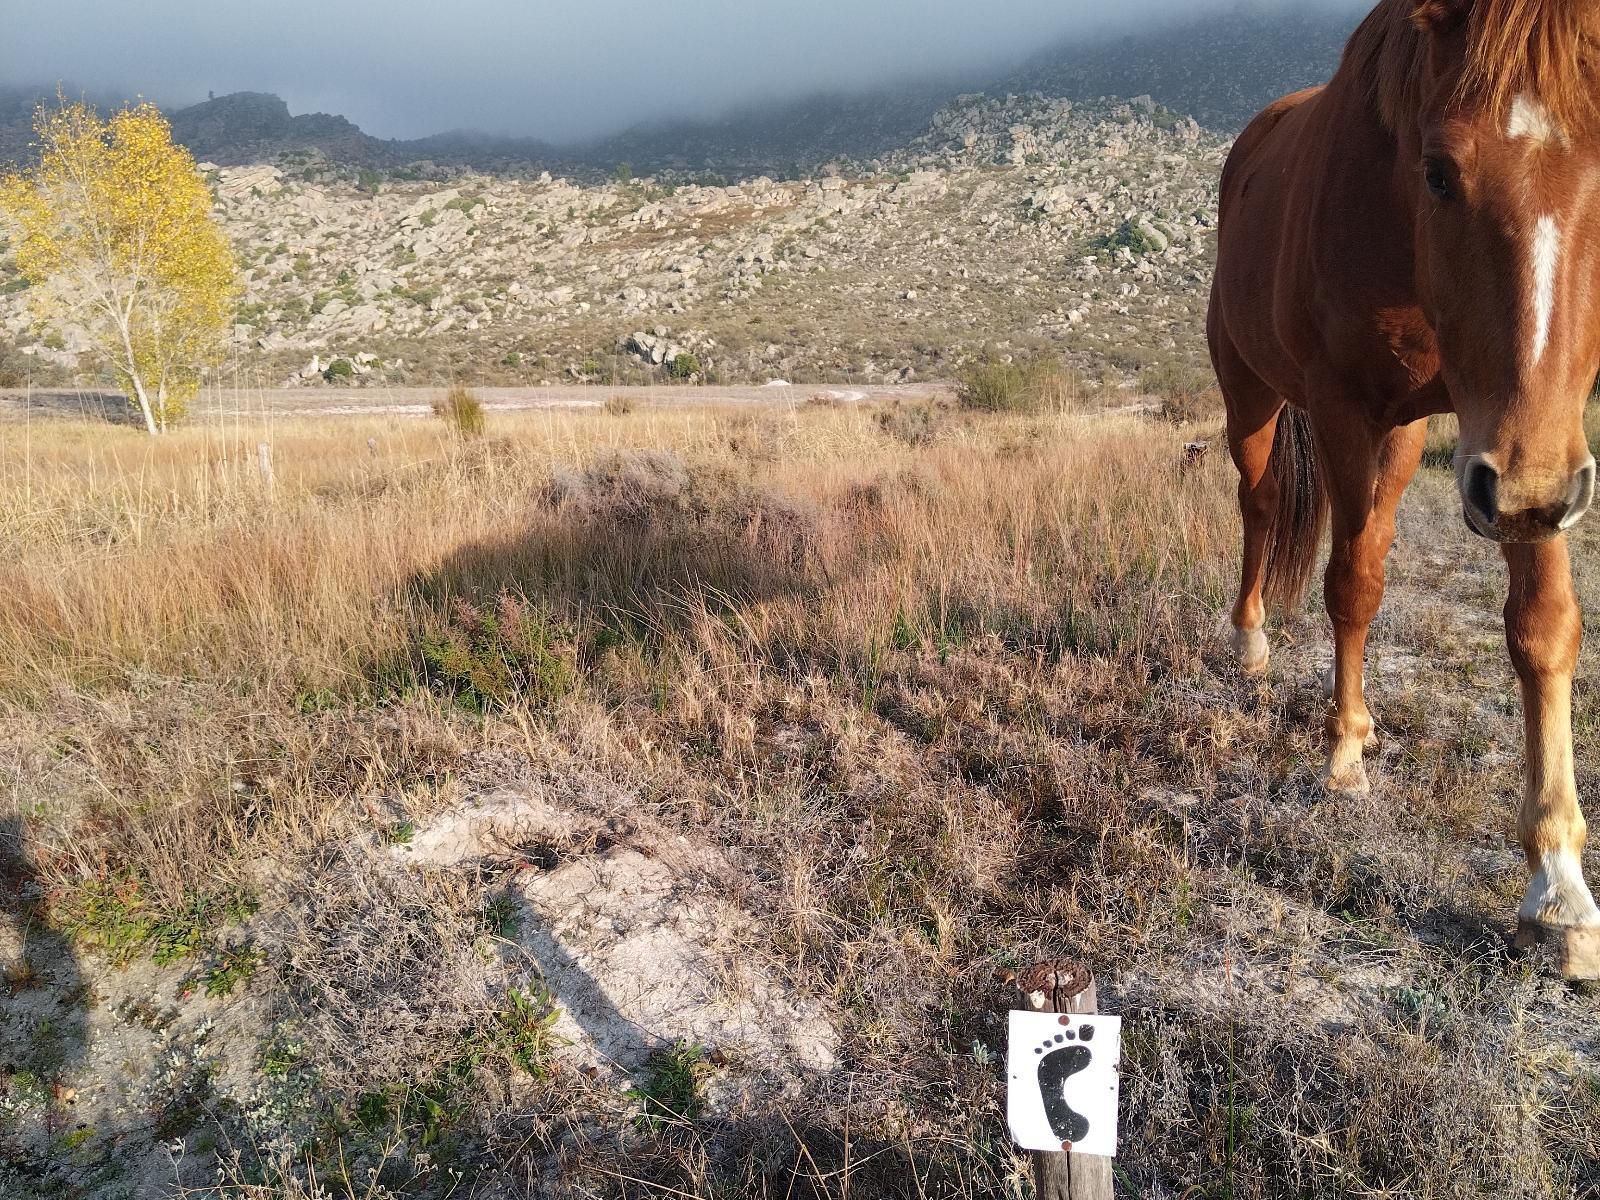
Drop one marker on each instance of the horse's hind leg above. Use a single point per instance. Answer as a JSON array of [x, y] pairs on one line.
[[1253, 410]]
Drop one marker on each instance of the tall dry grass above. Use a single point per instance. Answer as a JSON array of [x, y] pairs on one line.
[[174, 557], [250, 651]]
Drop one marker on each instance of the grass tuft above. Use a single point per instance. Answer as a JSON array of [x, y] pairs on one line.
[[462, 411], [671, 1092]]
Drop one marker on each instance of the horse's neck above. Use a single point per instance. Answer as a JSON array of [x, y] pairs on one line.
[[1360, 209]]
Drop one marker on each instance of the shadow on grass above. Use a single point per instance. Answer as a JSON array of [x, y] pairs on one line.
[[43, 1024], [635, 549]]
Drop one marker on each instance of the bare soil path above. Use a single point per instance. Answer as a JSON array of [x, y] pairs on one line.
[[16, 404]]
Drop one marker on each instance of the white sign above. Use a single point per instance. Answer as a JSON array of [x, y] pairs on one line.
[[1061, 1082]]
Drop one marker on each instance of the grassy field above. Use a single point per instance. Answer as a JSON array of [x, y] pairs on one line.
[[933, 694]]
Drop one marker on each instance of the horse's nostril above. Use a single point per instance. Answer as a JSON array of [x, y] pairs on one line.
[[1480, 488], [1580, 496]]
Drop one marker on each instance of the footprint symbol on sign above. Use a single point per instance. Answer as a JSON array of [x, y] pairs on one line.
[[1062, 1057]]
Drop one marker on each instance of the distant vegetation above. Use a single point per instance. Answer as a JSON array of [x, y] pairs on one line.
[[114, 233], [1010, 387]]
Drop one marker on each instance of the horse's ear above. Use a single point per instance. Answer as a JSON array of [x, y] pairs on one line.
[[1441, 16]]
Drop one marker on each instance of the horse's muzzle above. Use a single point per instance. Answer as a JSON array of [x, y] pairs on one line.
[[1481, 492]]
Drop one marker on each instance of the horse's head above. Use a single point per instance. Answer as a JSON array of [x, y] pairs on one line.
[[1506, 178]]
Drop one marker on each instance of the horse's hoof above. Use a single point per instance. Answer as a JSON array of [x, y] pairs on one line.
[[1349, 778], [1251, 649], [1576, 947]]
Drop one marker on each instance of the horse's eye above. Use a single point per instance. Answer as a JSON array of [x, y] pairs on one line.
[[1437, 177]]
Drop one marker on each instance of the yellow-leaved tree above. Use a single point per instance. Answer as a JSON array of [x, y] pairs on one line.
[[114, 232]]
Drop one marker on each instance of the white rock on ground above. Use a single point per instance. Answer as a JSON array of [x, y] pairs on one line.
[[638, 949]]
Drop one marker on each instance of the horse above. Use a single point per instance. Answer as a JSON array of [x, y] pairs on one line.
[[1421, 235]]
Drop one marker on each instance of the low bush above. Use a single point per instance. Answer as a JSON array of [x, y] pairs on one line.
[[462, 411], [915, 424], [1039, 386], [491, 658], [1187, 394]]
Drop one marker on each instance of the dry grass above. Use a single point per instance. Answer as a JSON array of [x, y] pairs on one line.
[[944, 704]]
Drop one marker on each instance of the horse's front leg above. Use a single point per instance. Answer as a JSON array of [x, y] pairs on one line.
[[1367, 472], [1543, 630]]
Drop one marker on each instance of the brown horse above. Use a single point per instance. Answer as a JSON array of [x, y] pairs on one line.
[[1422, 236]]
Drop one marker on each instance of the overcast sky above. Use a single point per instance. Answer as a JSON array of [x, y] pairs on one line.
[[559, 69]]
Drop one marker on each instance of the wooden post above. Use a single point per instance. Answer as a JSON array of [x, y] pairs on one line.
[[264, 458], [1064, 986]]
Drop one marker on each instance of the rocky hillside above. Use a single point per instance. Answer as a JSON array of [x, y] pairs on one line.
[[1010, 225], [249, 127]]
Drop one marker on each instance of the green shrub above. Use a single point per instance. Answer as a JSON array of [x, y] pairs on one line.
[[1135, 236], [340, 370], [992, 387], [1015, 388], [489, 659], [684, 366], [462, 411], [514, 359]]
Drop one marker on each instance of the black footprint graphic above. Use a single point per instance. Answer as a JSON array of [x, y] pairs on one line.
[[1062, 1058]]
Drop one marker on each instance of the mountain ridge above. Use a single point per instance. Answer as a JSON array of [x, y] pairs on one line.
[[1219, 70]]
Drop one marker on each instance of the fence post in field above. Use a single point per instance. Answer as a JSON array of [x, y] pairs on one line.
[[264, 457], [1064, 986]]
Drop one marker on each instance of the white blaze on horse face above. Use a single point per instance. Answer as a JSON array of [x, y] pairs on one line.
[[1546, 262], [1530, 119]]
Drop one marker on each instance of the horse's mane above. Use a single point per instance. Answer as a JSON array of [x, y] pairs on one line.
[[1539, 48]]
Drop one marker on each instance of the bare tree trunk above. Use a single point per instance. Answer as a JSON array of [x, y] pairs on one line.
[[144, 405], [137, 383]]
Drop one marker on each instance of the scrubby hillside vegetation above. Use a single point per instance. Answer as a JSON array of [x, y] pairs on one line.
[[914, 233], [1017, 226]]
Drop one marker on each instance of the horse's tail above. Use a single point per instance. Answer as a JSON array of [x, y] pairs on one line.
[[1302, 511]]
